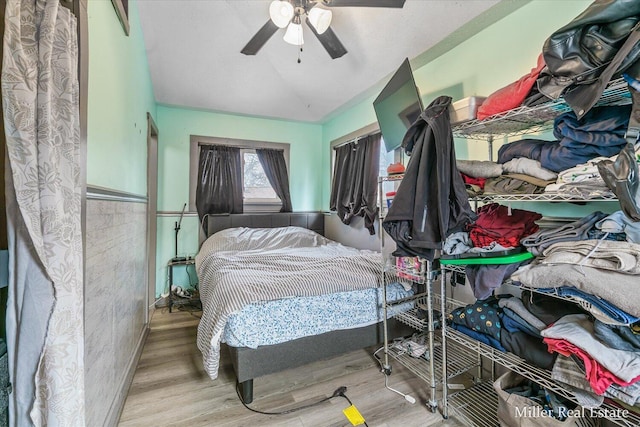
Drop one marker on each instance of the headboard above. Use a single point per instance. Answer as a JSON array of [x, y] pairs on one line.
[[310, 220]]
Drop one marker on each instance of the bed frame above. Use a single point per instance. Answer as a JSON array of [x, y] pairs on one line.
[[251, 363]]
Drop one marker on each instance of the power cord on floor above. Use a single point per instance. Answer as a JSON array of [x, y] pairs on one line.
[[153, 304], [339, 392], [195, 285], [386, 371]]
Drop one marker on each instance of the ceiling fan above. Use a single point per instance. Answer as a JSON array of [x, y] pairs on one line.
[[290, 13]]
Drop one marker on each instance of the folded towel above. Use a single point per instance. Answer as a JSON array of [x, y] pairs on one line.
[[623, 257], [537, 242], [523, 165], [479, 168]]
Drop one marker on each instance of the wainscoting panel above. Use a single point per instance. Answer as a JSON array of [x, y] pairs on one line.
[[115, 291]]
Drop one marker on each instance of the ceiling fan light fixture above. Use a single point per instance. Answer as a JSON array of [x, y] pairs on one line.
[[320, 19], [294, 34], [281, 12]]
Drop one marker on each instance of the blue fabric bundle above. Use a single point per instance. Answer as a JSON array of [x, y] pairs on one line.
[[611, 311], [600, 133]]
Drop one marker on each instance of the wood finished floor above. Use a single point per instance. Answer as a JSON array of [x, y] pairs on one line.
[[170, 388]]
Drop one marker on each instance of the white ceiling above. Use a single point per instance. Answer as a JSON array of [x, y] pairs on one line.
[[193, 49]]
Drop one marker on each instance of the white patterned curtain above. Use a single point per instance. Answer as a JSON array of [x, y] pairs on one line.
[[45, 307]]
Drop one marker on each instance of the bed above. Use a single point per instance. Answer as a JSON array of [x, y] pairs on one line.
[[281, 295]]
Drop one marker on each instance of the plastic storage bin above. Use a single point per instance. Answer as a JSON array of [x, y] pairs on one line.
[[466, 109]]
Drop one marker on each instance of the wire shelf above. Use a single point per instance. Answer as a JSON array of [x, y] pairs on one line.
[[411, 317], [450, 304], [414, 316], [543, 197], [521, 120], [459, 360], [454, 268], [534, 373], [578, 301], [476, 405]]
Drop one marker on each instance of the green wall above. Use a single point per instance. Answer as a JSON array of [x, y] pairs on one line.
[[176, 125], [117, 119], [493, 58]]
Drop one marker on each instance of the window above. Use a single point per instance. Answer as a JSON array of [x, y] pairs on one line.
[[256, 186], [386, 158], [258, 194], [356, 166]]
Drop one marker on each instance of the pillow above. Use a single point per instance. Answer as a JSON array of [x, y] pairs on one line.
[[245, 239]]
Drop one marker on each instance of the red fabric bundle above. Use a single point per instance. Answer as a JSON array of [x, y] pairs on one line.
[[599, 377], [510, 96], [498, 223], [473, 180]]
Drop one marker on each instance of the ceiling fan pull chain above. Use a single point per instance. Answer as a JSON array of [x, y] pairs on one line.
[[299, 54]]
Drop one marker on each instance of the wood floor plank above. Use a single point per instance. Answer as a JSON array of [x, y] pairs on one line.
[[171, 388]]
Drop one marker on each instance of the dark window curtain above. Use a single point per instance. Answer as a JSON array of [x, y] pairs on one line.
[[219, 187], [275, 168], [354, 190]]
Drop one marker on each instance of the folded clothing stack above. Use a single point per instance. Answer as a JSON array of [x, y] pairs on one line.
[[605, 365], [501, 224], [537, 242], [483, 321], [600, 133], [614, 280]]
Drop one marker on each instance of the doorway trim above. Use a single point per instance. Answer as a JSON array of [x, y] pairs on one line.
[[152, 208]]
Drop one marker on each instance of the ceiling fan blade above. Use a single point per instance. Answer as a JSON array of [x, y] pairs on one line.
[[260, 38], [330, 41], [364, 3]]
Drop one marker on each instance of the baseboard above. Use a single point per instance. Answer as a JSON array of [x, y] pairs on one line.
[[152, 311], [115, 411]]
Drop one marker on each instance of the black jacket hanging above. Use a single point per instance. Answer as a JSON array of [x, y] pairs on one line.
[[431, 202]]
